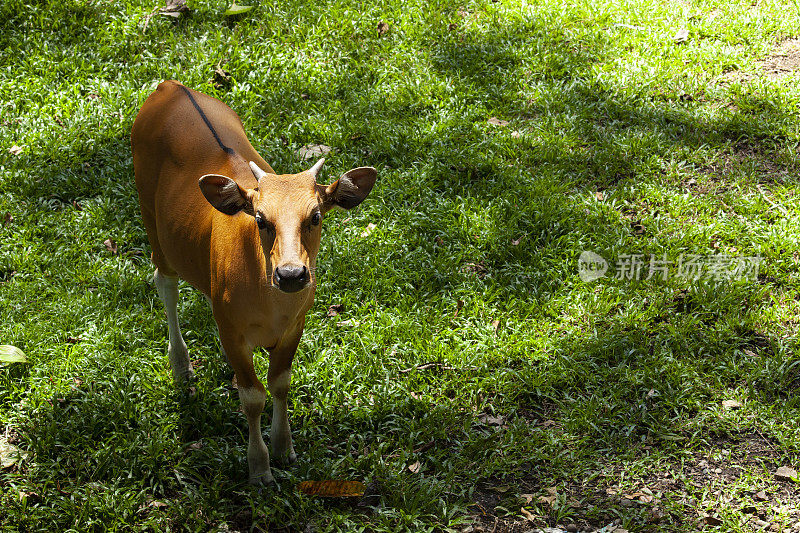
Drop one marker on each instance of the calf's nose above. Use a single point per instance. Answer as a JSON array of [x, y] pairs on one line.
[[291, 278]]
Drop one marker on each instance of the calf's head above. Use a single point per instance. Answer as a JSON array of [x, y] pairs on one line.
[[288, 211]]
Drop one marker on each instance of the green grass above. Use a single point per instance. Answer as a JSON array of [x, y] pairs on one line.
[[605, 384]]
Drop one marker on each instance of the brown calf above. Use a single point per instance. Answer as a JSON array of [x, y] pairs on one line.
[[246, 237]]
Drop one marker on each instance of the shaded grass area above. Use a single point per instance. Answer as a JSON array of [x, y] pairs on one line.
[[473, 264]]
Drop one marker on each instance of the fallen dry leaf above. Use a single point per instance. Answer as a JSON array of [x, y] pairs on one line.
[[527, 514], [516, 242], [414, 468], [761, 496], [222, 78], [599, 195], [335, 310], [786, 473], [527, 497], [10, 454], [516, 134], [175, 8], [350, 322], [711, 520], [681, 36], [549, 500], [383, 28], [111, 245], [491, 420], [496, 325], [7, 219], [332, 488], [494, 121], [313, 151], [368, 230], [15, 150], [731, 404]]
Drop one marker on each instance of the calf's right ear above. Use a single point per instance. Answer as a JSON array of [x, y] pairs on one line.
[[351, 189], [226, 195]]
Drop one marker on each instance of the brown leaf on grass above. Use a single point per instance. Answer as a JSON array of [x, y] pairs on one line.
[[73, 340], [7, 219], [452, 26], [516, 242], [495, 325], [383, 28], [516, 134], [313, 151], [346, 323], [335, 310], [749, 353], [332, 488], [711, 520], [476, 268], [528, 497], [459, 306], [111, 245], [175, 8], [15, 150], [527, 514], [222, 78], [414, 468], [368, 230], [491, 420], [786, 473], [549, 500], [761, 496], [494, 121], [599, 195], [731, 404]]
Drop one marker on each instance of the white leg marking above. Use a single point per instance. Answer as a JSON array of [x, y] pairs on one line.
[[280, 433], [257, 453], [178, 354]]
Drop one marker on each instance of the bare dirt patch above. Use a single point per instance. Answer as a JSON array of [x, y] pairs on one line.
[[730, 481], [784, 60]]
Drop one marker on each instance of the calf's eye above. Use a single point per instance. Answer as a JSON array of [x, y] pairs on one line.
[[262, 224], [316, 218]]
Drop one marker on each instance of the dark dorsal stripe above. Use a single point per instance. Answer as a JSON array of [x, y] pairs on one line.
[[227, 149]]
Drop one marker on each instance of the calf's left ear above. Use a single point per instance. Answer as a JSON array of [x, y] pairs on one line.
[[226, 195], [351, 189]]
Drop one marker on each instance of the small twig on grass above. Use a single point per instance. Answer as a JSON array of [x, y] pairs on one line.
[[770, 202], [767, 441], [148, 17], [434, 364]]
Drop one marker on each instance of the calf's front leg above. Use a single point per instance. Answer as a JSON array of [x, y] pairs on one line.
[[279, 377], [253, 396]]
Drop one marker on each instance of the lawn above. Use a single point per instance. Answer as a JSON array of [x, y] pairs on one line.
[[455, 360]]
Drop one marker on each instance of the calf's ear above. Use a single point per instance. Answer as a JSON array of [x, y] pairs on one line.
[[351, 189], [226, 195]]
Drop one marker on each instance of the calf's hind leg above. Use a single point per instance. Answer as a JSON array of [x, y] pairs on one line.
[[167, 287]]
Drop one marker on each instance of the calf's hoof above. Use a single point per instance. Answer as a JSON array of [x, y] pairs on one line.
[[262, 480]]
